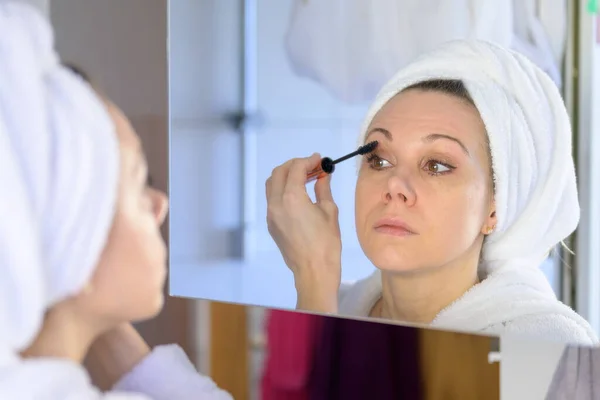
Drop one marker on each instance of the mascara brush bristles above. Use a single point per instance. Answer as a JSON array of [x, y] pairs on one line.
[[368, 148], [362, 150]]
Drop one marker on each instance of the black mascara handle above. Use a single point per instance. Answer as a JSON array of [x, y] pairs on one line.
[[327, 167]]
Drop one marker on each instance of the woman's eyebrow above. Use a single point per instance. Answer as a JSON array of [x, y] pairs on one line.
[[385, 133], [437, 136], [428, 139]]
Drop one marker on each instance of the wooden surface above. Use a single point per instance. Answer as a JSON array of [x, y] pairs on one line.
[[455, 366], [229, 349]]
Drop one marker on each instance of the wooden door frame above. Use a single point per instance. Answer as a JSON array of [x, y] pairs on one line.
[[229, 348]]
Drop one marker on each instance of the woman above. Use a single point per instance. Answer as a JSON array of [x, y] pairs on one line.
[[471, 186], [81, 254]]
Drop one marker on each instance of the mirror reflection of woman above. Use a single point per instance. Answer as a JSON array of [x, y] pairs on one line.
[[471, 187]]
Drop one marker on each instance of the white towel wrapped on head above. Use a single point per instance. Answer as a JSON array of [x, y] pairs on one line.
[[535, 190], [530, 141], [59, 161]]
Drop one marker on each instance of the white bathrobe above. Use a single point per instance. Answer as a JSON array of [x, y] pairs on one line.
[[505, 303], [59, 171], [536, 194]]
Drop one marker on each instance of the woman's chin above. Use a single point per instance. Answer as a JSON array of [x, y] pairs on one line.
[[151, 309], [158, 305], [393, 259], [396, 267]]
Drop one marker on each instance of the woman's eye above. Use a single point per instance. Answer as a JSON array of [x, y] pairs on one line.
[[436, 167], [377, 162]]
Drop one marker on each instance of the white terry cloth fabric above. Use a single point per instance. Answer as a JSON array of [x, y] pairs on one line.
[[168, 374], [165, 374], [536, 192], [352, 47], [512, 300], [59, 161], [59, 170]]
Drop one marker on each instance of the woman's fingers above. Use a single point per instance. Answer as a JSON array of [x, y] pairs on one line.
[[290, 178], [298, 171], [276, 183], [323, 190], [307, 234]]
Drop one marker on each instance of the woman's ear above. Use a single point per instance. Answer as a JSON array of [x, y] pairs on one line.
[[491, 221]]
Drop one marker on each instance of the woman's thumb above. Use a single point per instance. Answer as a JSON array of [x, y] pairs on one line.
[[323, 189]]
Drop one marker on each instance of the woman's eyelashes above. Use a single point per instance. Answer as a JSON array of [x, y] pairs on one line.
[[377, 163], [436, 167], [432, 166]]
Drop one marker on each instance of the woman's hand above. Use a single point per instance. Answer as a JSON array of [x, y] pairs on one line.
[[307, 233], [114, 354]]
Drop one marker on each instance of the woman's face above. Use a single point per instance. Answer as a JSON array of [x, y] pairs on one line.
[[128, 282], [424, 197]]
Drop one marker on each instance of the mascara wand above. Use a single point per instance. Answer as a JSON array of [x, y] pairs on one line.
[[328, 165]]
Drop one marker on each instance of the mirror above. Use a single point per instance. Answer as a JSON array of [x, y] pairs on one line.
[[255, 83]]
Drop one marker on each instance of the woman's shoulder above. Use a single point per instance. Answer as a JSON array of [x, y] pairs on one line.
[[552, 327], [167, 373], [357, 298]]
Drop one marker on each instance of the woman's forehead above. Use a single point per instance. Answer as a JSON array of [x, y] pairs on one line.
[[427, 101], [124, 130], [431, 110]]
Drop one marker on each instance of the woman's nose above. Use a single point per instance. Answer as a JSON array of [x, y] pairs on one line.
[[160, 205], [399, 189]]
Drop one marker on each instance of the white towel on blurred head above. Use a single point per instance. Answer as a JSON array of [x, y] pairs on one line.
[[59, 161]]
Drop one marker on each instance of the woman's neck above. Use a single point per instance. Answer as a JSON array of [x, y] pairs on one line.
[[63, 335], [419, 296]]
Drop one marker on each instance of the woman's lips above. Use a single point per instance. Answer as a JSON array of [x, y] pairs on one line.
[[393, 230], [394, 227]]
